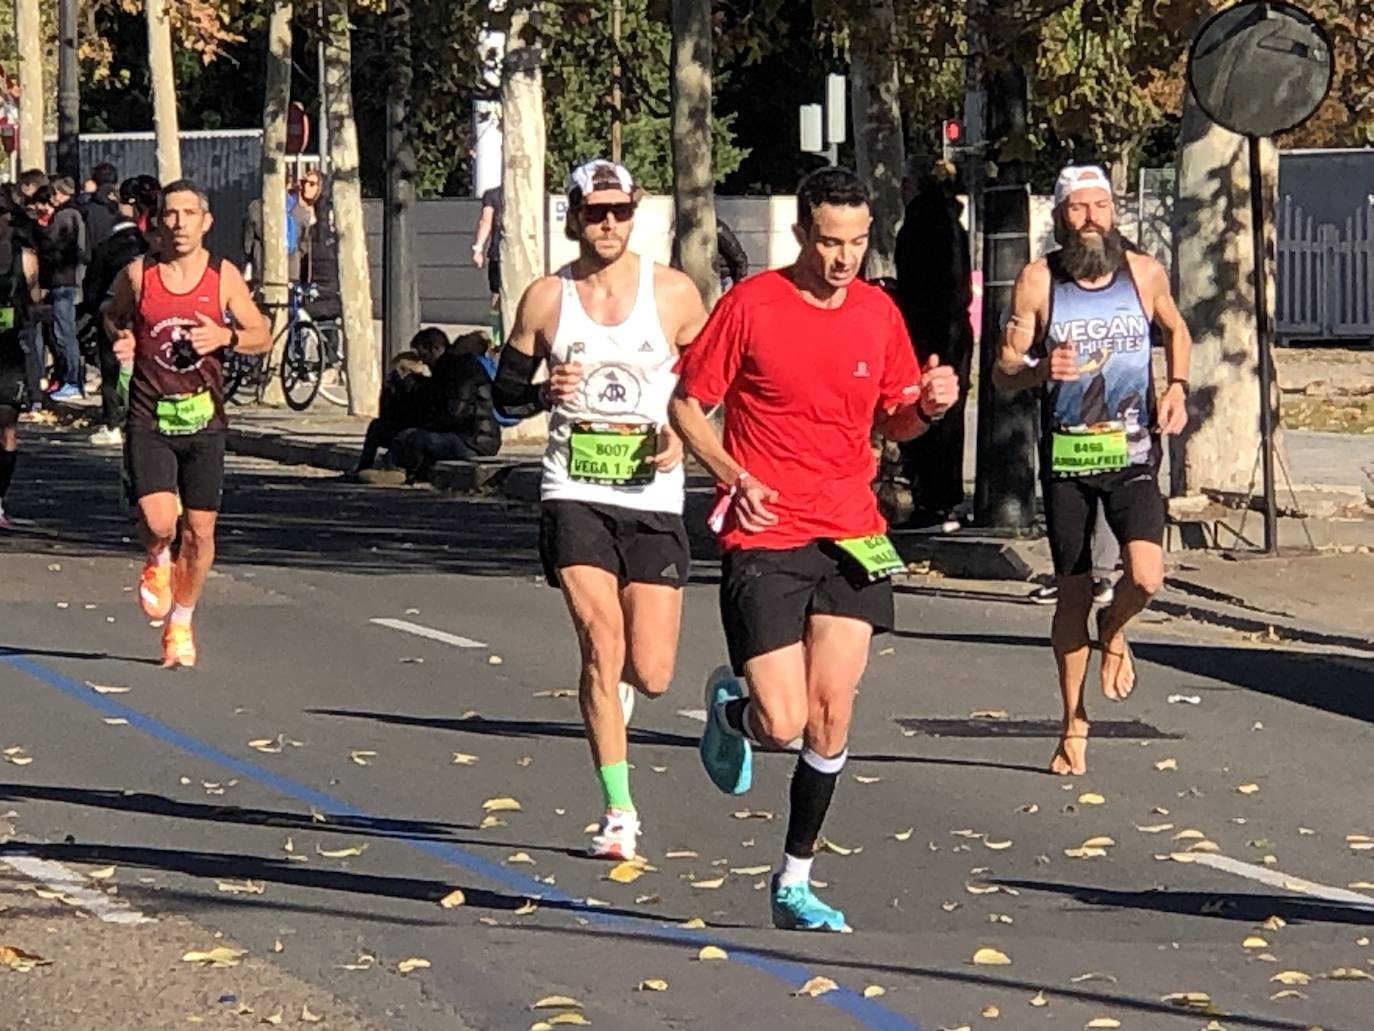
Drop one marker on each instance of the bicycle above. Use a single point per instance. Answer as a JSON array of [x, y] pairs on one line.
[[312, 362]]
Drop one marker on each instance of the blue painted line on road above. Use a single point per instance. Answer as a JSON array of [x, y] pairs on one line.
[[868, 1013]]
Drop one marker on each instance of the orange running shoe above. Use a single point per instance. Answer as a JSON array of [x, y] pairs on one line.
[[178, 646], [155, 590]]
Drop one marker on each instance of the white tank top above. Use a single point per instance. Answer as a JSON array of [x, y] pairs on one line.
[[627, 379]]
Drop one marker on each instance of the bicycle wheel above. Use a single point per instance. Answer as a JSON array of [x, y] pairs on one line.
[[302, 366], [334, 378]]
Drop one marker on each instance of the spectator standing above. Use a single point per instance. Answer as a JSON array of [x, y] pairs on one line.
[[486, 244], [18, 287], [61, 263], [99, 205], [321, 248]]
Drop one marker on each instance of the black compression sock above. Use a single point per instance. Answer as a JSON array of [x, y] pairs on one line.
[[813, 786], [735, 712], [7, 463]]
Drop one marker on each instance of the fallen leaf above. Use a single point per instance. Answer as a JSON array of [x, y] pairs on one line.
[[904, 835], [874, 991], [362, 758], [520, 858], [866, 780], [106, 688], [574, 1019], [241, 887], [1287, 993], [20, 960], [341, 853], [277, 946], [219, 956], [1188, 1000], [1254, 942], [556, 1002], [695, 924], [986, 957], [1189, 835], [838, 849], [712, 952], [364, 961], [494, 660], [1085, 853], [991, 1012], [413, 963], [1155, 828], [714, 882], [275, 1018], [103, 874], [307, 1017], [453, 899], [752, 814], [1275, 923], [625, 873], [488, 822], [816, 986], [1248, 789], [749, 871], [1102, 1022], [526, 908], [1291, 977], [1185, 699], [1091, 798], [562, 692], [653, 984], [982, 889], [1166, 764], [996, 846], [681, 853], [267, 745], [463, 759], [1038, 1000], [501, 805], [1349, 974], [949, 907], [1094, 975], [1099, 842]]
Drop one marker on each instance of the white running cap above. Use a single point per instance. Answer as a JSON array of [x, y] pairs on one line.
[[599, 174], [1080, 177]]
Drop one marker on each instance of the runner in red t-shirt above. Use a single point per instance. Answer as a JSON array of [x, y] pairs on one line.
[[808, 361]]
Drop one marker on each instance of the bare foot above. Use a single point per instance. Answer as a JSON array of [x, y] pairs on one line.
[[1071, 757], [1118, 664]]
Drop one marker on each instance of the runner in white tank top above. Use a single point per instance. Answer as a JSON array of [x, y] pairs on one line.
[[611, 535]]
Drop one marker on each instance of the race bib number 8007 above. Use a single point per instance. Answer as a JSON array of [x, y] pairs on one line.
[[612, 455]]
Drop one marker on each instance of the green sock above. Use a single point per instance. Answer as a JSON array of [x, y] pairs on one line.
[[615, 785]]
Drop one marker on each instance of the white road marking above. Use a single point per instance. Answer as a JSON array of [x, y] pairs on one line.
[[408, 627], [72, 885], [1279, 879]]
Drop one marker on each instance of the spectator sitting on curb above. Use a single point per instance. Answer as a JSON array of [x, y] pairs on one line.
[[407, 396], [461, 423]]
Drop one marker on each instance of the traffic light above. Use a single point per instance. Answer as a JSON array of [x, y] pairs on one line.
[[951, 138]]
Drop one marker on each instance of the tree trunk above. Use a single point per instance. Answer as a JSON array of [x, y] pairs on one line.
[[28, 27], [68, 93], [694, 200], [878, 144], [164, 92], [400, 280], [361, 353], [522, 176], [1213, 267], [273, 274]]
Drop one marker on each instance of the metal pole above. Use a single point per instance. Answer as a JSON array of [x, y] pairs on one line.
[[323, 134], [68, 93], [1266, 356], [617, 73]]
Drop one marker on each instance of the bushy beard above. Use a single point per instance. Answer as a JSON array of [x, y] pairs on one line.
[[1089, 256]]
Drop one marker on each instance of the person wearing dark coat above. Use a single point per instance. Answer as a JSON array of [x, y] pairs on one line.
[[934, 290], [461, 423]]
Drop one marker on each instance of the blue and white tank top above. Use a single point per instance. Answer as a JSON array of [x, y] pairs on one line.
[[1110, 331]]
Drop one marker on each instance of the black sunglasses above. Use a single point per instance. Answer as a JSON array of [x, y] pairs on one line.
[[595, 214]]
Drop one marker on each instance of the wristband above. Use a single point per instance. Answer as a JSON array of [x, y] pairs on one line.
[[1178, 381], [716, 520]]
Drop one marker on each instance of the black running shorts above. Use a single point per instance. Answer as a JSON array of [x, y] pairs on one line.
[[766, 597], [191, 465], [637, 547], [1130, 500]]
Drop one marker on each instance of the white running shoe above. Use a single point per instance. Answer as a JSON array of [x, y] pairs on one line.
[[627, 701], [616, 836], [108, 436]]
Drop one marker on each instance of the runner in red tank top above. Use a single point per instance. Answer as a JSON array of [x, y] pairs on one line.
[[809, 361], [170, 323]]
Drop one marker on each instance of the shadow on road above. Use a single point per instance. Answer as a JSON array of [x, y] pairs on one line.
[[7, 650]]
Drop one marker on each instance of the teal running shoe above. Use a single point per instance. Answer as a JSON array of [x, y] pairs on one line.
[[796, 908], [728, 759]]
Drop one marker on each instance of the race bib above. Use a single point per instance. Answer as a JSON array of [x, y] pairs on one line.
[[875, 555], [189, 413], [612, 454], [6, 318], [1080, 450]]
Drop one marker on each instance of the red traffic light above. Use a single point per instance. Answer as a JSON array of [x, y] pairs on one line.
[[954, 132]]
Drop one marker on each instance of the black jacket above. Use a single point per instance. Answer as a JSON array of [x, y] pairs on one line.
[[101, 220], [462, 402], [121, 246], [62, 249]]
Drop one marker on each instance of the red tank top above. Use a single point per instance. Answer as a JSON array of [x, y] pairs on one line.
[[165, 366]]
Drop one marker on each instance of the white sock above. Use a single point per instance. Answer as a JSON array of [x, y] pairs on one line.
[[163, 557], [794, 870], [181, 614]]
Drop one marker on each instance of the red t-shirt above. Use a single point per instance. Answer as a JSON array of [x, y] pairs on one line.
[[801, 386]]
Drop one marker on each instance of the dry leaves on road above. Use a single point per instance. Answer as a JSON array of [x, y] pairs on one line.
[[219, 956], [413, 963], [988, 957], [501, 805], [453, 899], [12, 957], [816, 986], [341, 853], [712, 952]]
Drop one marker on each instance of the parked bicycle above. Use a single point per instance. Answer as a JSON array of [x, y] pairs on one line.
[[312, 359]]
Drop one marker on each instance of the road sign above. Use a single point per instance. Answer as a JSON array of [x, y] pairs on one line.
[[297, 128]]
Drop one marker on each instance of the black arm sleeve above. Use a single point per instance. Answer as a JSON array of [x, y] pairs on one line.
[[513, 392]]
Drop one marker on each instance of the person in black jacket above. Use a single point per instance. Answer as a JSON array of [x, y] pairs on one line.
[[128, 239], [461, 423], [18, 291], [407, 395], [99, 205], [61, 256]]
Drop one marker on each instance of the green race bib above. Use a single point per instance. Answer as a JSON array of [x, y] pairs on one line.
[[876, 555], [1080, 450], [611, 454], [189, 413], [6, 318]]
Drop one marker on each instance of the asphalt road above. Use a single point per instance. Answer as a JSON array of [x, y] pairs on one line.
[[946, 836]]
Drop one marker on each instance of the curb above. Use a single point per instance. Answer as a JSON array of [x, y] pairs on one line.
[[275, 448]]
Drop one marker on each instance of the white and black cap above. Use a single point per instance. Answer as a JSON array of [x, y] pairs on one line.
[[596, 175], [1080, 177]]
